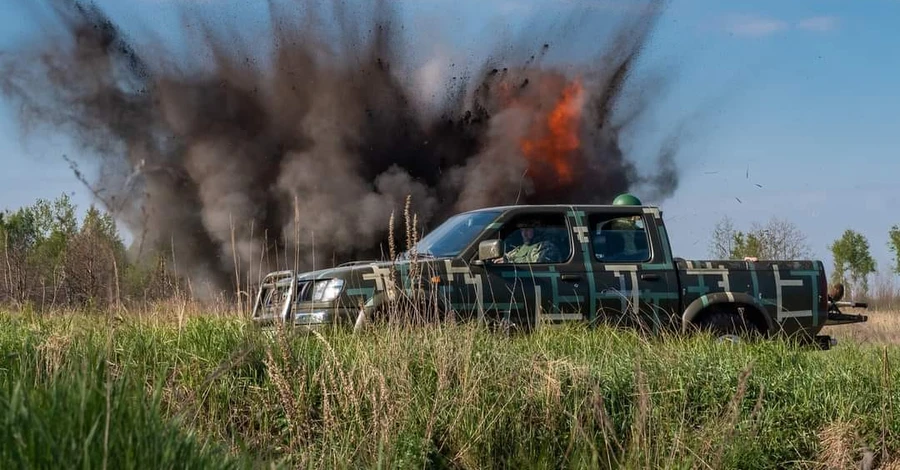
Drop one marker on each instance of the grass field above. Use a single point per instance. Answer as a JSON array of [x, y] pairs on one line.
[[177, 391]]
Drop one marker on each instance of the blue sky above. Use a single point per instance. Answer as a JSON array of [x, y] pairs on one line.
[[803, 94]]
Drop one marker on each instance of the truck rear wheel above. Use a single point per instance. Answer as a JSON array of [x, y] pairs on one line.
[[728, 325]]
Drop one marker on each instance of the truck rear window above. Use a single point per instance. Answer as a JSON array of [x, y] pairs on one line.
[[618, 239]]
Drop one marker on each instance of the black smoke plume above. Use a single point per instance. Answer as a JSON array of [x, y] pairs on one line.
[[237, 155]]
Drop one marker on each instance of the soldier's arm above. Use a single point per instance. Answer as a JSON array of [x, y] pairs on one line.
[[508, 257]]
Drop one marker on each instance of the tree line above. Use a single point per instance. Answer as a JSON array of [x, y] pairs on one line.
[[50, 259], [779, 239]]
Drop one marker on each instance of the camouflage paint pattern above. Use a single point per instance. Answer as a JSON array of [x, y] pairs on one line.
[[648, 288]]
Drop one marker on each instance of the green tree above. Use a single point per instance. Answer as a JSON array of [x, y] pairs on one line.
[[21, 230], [722, 241], [102, 225], [95, 262], [894, 245], [49, 258], [747, 245], [851, 257], [778, 239], [56, 225]]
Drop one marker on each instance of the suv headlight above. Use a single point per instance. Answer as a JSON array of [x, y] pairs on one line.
[[326, 291]]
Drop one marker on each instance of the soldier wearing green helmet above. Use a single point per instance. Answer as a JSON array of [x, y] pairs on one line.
[[629, 226], [626, 200]]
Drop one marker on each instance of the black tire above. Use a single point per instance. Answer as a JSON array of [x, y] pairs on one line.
[[727, 324]]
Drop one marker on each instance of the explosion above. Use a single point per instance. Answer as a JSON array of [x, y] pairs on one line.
[[556, 142], [298, 157]]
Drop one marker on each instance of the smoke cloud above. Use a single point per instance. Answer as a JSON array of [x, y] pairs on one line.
[[303, 154]]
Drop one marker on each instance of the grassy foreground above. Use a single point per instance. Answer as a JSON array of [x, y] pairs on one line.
[[213, 392]]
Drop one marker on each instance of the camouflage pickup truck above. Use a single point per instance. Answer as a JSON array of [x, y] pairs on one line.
[[530, 266]]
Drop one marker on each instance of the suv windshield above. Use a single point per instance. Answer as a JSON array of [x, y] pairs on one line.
[[449, 238]]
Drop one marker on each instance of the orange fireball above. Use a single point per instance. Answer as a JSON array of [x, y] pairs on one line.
[[554, 140]]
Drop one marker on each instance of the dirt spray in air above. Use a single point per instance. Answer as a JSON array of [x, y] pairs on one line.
[[310, 150]]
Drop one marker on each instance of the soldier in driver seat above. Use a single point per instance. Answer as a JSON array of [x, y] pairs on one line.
[[536, 247]]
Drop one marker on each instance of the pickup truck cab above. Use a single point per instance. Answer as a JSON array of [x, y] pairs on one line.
[[531, 266]]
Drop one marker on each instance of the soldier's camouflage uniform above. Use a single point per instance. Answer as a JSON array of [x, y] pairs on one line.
[[534, 252]]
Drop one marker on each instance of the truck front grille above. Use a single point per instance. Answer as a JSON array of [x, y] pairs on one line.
[[304, 291]]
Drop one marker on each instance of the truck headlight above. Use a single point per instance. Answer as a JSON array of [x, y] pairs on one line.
[[326, 291]]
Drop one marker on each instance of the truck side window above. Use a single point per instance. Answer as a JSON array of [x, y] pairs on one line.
[[536, 239], [619, 239]]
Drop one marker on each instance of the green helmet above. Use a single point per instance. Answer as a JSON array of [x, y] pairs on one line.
[[626, 200]]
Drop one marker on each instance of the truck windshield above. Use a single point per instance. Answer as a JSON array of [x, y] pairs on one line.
[[449, 238]]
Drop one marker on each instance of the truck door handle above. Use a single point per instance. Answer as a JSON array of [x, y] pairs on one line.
[[570, 277], [649, 277]]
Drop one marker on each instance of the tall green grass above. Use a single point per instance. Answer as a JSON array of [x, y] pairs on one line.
[[69, 399], [206, 393]]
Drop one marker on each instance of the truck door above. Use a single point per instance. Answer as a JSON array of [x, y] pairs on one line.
[[635, 284], [537, 283]]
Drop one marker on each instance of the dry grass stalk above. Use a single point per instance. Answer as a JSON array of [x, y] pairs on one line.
[[729, 426], [288, 404], [296, 265], [414, 256], [639, 444], [887, 405], [343, 387], [840, 446], [891, 465], [606, 424], [392, 250], [757, 409], [52, 352], [235, 260]]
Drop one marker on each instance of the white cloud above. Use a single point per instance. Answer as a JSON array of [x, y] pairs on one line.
[[818, 23], [750, 25]]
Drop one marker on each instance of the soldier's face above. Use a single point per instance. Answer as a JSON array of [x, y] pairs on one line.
[[527, 233]]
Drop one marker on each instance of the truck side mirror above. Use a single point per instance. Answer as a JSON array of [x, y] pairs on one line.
[[489, 250]]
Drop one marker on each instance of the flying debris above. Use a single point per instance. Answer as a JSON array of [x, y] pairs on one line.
[[305, 151]]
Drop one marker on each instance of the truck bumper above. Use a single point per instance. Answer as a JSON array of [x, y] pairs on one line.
[[838, 318], [312, 317]]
